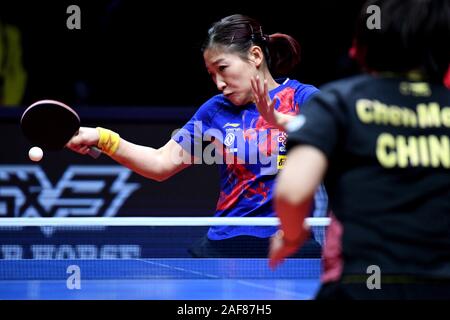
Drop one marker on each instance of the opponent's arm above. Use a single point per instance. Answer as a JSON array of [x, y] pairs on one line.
[[294, 192]]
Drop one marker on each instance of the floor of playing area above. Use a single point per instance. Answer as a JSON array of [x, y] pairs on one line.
[[159, 279]]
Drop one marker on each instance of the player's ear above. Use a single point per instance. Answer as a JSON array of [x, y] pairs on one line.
[[256, 55]]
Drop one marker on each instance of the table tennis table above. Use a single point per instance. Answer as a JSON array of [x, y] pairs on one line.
[[159, 279]]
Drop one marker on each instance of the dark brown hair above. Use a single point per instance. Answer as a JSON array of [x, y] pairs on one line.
[[414, 34], [238, 33]]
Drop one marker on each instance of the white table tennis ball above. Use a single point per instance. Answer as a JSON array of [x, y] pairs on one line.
[[35, 154]]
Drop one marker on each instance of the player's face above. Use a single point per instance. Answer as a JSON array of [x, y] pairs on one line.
[[231, 74]]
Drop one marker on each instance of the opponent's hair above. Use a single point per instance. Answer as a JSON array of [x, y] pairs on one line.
[[414, 34], [238, 33]]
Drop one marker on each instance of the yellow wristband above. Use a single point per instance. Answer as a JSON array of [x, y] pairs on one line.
[[108, 141]]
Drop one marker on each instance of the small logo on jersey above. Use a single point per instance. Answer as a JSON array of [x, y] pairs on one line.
[[282, 137], [416, 89], [231, 150], [229, 139], [233, 125], [296, 123], [280, 161]]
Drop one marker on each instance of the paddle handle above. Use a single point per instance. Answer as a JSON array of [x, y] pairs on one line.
[[94, 152]]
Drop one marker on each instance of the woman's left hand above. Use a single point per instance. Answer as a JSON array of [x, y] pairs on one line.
[[265, 105]]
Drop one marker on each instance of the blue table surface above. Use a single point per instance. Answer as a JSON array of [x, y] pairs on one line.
[[159, 279]]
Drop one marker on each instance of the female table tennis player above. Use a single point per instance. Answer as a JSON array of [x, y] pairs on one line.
[[240, 58]]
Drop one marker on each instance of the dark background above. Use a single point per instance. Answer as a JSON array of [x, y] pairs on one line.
[[144, 53], [135, 67]]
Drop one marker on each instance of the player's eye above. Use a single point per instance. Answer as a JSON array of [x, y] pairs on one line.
[[222, 68]]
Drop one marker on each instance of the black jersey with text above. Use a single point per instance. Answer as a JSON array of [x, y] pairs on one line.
[[387, 141]]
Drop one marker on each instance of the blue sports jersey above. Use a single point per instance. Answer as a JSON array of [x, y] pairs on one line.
[[249, 153]]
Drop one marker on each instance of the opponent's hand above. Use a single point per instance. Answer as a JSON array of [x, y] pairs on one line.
[[280, 249], [84, 140]]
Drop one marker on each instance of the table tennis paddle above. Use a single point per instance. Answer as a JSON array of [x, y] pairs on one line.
[[50, 125]]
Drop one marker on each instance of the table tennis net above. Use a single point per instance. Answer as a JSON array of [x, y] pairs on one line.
[[138, 248]]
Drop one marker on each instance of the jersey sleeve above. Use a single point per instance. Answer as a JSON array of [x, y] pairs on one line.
[[304, 93], [190, 136], [321, 123]]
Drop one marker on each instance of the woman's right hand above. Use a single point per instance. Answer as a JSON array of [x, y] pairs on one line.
[[84, 140]]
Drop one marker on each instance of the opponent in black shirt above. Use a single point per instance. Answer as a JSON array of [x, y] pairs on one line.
[[382, 142]]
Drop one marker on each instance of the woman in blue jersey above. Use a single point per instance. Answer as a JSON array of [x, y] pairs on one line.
[[249, 151]]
